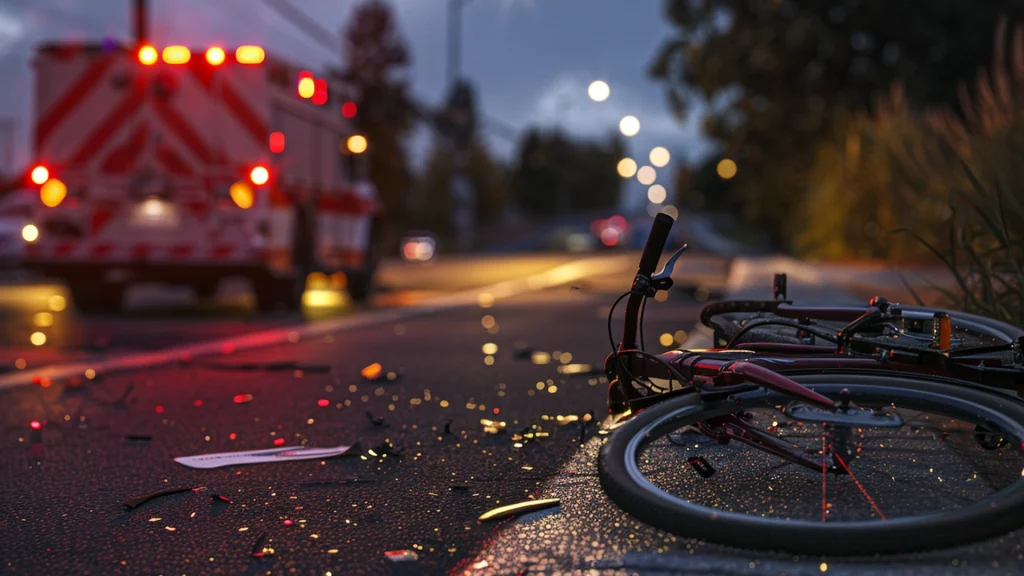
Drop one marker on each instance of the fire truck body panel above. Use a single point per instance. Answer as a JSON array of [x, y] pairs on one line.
[[157, 161]]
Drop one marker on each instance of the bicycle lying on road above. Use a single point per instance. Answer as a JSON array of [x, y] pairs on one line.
[[843, 431]]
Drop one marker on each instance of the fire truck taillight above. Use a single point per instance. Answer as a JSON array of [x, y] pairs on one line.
[[250, 55], [277, 142], [320, 92], [177, 55], [40, 175], [53, 193], [148, 55], [259, 175], [241, 194]]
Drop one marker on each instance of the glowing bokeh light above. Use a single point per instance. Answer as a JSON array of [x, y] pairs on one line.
[[629, 126], [598, 91]]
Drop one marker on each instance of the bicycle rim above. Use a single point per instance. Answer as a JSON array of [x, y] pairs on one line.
[[986, 504]]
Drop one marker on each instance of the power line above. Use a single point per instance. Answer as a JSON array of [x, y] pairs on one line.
[[329, 40], [306, 23]]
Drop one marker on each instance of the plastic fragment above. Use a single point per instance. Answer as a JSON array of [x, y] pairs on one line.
[[519, 508]]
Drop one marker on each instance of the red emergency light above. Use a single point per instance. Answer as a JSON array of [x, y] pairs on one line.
[[349, 109], [215, 56], [259, 175], [40, 174], [277, 142], [320, 92]]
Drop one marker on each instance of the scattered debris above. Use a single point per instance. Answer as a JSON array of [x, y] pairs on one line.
[[136, 502], [326, 483], [220, 498], [448, 427], [283, 454], [401, 555], [374, 420], [492, 427], [579, 369], [522, 351], [519, 508], [375, 372], [702, 466], [123, 400], [243, 398], [260, 548]]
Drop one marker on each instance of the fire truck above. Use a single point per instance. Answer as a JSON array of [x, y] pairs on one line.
[[185, 166]]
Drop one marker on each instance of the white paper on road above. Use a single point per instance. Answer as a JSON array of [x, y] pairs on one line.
[[282, 454]]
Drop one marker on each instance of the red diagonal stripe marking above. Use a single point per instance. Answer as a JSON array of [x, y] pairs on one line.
[[173, 162], [72, 97], [102, 133], [182, 130], [121, 159], [253, 124]]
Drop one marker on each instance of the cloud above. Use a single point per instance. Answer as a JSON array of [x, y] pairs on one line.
[[12, 30]]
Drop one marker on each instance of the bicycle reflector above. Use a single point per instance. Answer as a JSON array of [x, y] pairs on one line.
[[942, 331]]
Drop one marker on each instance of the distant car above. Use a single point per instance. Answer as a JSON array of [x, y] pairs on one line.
[[611, 232], [419, 246], [16, 227], [571, 239]]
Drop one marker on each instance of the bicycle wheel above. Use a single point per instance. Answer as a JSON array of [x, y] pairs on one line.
[[918, 479]]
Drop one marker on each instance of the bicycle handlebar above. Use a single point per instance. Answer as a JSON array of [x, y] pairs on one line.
[[655, 243], [648, 262]]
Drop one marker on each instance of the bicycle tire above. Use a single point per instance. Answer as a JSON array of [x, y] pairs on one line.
[[986, 518]]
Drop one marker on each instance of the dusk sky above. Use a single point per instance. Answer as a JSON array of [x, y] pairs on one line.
[[531, 60]]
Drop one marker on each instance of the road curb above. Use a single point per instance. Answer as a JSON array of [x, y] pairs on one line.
[[557, 276]]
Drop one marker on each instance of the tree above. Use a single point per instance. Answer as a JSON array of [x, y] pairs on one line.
[[488, 177], [777, 71], [376, 62], [555, 174]]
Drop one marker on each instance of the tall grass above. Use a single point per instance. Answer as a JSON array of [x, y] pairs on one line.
[[901, 184], [984, 248]]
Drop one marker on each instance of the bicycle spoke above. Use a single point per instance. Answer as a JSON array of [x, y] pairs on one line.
[[859, 486]]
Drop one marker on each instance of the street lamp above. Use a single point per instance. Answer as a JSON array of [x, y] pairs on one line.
[[629, 126], [598, 91]]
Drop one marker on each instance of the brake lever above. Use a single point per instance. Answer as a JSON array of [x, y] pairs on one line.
[[662, 280]]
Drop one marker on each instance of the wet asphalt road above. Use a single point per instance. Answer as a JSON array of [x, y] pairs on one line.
[[63, 488]]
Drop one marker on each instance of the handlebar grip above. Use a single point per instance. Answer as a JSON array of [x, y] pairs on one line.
[[655, 243]]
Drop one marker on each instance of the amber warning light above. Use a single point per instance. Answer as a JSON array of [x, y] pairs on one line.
[[215, 56], [148, 55]]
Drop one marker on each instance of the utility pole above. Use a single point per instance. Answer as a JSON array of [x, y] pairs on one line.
[[140, 18], [454, 39]]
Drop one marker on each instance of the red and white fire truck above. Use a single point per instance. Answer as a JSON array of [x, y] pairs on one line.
[[184, 166]]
